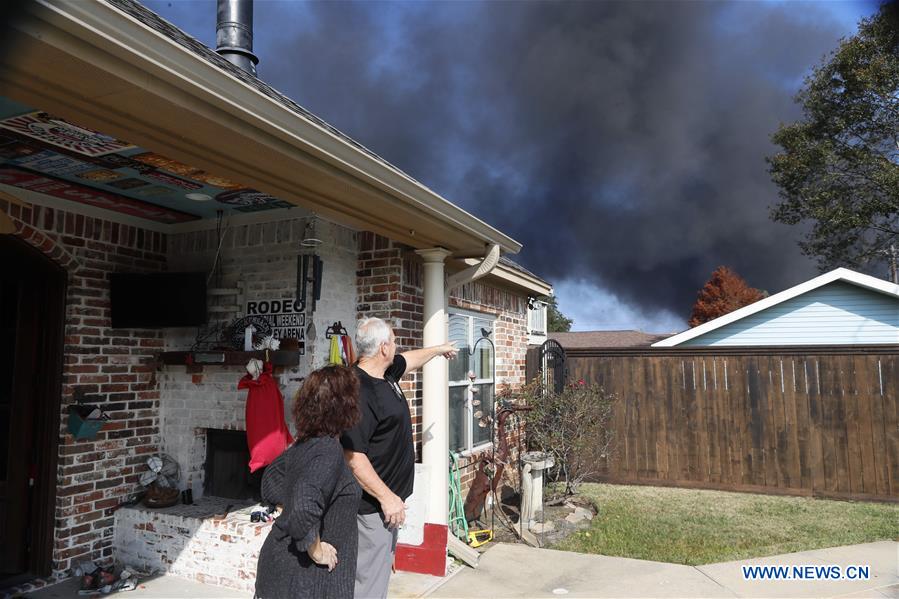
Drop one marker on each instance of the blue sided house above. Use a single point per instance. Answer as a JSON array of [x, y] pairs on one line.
[[841, 307]]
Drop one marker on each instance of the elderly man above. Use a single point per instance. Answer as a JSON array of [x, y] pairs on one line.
[[379, 449]]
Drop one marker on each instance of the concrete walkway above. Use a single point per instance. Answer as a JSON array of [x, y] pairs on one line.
[[155, 587], [521, 571], [403, 585]]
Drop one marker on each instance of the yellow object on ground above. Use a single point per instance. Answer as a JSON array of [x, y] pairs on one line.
[[476, 538]]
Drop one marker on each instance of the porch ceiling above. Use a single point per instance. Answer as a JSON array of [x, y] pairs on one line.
[[97, 66]]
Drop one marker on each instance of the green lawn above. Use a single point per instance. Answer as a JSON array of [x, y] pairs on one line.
[[694, 527]]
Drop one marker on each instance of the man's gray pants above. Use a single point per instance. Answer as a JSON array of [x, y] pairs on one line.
[[377, 546]]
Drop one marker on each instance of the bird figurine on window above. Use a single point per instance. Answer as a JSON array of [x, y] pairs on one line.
[[485, 332]]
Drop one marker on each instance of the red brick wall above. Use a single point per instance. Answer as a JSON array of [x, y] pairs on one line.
[[510, 335], [390, 286], [114, 367], [510, 341]]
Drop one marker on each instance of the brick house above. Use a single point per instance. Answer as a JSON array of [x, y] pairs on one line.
[[128, 147]]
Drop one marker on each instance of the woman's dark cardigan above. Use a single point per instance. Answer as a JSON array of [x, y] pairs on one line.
[[320, 496]]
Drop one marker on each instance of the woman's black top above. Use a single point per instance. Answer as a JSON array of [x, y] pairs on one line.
[[320, 496]]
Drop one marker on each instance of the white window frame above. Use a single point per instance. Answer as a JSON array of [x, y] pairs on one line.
[[467, 432], [537, 336]]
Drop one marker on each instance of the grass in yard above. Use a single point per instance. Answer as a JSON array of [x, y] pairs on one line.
[[693, 527]]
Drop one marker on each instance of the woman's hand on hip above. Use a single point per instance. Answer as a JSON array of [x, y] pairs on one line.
[[323, 554]]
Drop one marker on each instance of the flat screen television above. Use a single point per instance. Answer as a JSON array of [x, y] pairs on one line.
[[157, 300]]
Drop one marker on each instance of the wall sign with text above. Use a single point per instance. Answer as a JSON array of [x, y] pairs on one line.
[[287, 317]]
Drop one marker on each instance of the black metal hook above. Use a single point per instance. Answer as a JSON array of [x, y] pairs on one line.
[[335, 329]]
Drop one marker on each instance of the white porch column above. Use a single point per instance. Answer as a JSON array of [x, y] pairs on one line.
[[435, 386]]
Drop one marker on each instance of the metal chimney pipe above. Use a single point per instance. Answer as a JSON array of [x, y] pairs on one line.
[[234, 33]]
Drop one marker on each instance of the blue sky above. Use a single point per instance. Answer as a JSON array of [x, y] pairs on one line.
[[623, 143]]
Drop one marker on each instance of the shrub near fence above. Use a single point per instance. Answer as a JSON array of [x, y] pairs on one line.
[[802, 421]]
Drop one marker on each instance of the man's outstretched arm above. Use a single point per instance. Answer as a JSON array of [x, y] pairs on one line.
[[417, 358]]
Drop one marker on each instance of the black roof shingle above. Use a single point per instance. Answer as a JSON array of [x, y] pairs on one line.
[[154, 21]]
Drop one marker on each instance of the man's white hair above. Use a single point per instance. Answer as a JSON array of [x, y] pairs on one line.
[[371, 332]]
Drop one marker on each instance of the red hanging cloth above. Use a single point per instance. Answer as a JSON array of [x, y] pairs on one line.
[[267, 433], [348, 350]]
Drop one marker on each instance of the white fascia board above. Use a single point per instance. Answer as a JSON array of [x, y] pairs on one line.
[[143, 47], [516, 278], [839, 274], [869, 282]]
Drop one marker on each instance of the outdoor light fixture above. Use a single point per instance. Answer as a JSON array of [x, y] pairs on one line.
[[198, 197]]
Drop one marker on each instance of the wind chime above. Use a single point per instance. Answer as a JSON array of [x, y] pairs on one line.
[[309, 273]]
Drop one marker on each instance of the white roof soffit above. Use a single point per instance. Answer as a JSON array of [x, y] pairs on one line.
[[839, 274], [95, 65], [515, 278]]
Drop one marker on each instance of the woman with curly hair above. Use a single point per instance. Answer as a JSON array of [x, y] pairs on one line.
[[311, 549]]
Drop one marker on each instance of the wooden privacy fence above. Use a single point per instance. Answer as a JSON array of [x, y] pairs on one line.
[[805, 421]]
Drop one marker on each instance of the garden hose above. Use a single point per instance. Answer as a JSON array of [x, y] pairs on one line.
[[457, 522]]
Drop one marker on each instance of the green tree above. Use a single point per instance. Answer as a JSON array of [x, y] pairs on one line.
[[556, 322], [838, 170]]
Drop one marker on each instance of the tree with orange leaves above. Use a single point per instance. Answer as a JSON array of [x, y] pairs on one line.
[[725, 292]]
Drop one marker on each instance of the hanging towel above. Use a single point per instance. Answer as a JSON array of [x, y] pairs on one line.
[[348, 350], [267, 433], [334, 354]]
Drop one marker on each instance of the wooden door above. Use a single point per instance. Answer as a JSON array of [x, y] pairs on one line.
[[32, 292]]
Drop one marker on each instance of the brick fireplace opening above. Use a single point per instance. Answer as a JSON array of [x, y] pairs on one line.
[[226, 473], [213, 540]]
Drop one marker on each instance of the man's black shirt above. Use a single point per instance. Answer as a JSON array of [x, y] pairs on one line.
[[384, 432]]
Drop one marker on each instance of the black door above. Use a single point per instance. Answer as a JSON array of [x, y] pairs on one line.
[[32, 299]]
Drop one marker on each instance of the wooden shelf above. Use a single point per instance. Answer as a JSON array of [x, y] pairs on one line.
[[195, 359]]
